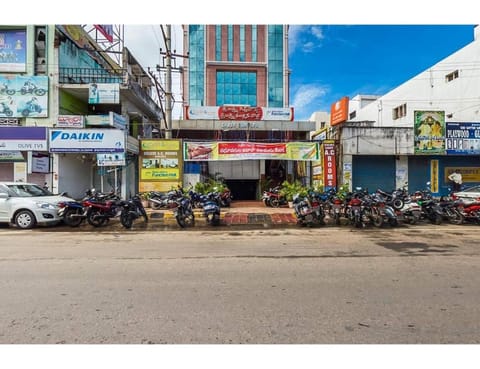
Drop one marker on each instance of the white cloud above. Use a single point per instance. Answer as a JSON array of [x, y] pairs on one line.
[[306, 100], [305, 38], [317, 32]]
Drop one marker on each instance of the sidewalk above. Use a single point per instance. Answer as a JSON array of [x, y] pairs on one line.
[[251, 213]]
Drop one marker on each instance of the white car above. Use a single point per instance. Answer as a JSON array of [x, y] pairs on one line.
[[471, 194], [27, 205]]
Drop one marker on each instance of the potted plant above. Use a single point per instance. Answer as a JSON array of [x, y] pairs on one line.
[[145, 197], [290, 189]]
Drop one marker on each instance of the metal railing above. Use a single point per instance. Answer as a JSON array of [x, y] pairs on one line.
[[69, 75]]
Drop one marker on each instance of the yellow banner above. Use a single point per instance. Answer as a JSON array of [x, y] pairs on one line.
[[158, 186], [434, 175], [469, 174], [159, 145], [160, 173]]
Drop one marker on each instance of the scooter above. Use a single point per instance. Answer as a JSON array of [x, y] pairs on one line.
[[211, 208], [5, 109]]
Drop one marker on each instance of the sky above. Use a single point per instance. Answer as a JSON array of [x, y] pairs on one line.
[[328, 62]]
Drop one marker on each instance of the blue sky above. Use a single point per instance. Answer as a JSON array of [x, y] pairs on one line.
[[328, 62]]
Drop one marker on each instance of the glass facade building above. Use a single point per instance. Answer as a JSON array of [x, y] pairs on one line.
[[196, 80]]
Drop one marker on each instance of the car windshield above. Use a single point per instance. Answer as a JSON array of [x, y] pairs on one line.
[[28, 190]]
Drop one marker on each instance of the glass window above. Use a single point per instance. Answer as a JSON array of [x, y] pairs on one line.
[[236, 88], [242, 42], [196, 64], [230, 42], [218, 42]]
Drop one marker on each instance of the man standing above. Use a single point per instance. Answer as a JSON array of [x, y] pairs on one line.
[[456, 179]]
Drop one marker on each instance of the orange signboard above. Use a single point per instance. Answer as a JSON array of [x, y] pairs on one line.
[[339, 111]]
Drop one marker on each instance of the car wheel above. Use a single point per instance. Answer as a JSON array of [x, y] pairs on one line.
[[25, 219]]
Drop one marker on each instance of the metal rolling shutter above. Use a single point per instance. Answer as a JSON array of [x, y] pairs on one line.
[[374, 171]]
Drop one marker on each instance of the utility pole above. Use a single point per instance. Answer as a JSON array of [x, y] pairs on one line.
[[168, 82]]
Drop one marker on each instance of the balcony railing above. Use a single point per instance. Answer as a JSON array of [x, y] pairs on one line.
[[90, 75]]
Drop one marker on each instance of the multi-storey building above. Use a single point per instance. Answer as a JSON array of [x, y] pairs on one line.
[[70, 114], [236, 93]]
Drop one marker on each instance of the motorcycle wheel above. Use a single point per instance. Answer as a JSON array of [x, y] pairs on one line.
[[40, 91], [155, 206], [336, 218], [436, 219], [10, 92], [398, 204], [456, 218], [70, 219], [393, 222], [96, 222], [274, 203], [126, 219], [25, 112], [144, 214]]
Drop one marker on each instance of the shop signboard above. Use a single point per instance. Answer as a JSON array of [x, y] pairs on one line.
[[104, 93], [70, 121], [239, 113], [23, 138], [87, 140], [463, 138]]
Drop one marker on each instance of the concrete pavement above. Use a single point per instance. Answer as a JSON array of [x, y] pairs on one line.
[[251, 213]]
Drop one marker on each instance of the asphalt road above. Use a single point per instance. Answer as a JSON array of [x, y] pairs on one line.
[[310, 286]]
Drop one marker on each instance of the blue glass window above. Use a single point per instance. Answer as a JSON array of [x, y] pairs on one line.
[[254, 43], [275, 66], [196, 64], [218, 42], [242, 43], [236, 88], [230, 42]]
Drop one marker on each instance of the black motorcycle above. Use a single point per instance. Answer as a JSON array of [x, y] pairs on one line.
[[132, 209], [183, 212], [74, 213]]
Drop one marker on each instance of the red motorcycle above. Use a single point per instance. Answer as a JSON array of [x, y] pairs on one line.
[[102, 208], [273, 198], [469, 210]]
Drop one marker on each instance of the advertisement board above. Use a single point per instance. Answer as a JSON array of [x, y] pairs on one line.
[[161, 165], [463, 138], [13, 50], [234, 150], [23, 96], [104, 93], [429, 132]]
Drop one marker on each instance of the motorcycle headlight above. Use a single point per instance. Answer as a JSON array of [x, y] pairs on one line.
[[46, 205]]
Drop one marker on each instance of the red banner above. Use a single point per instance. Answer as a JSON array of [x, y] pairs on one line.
[[329, 166], [251, 148], [240, 113]]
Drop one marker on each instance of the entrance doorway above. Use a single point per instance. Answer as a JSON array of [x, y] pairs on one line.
[[243, 189]]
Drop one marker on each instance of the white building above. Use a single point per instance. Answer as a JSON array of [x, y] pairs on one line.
[[382, 143]]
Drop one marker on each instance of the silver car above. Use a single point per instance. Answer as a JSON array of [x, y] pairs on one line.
[[27, 205], [471, 193]]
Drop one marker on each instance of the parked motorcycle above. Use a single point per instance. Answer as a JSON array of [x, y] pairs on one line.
[[308, 210], [102, 208], [183, 212], [162, 200], [273, 198], [132, 209], [431, 210], [211, 208], [74, 213]]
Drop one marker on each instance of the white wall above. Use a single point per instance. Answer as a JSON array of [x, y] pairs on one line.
[[430, 91]]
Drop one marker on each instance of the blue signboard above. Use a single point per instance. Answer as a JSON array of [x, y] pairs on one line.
[[13, 50], [463, 138]]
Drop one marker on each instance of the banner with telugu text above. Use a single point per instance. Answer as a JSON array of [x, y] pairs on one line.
[[206, 151]]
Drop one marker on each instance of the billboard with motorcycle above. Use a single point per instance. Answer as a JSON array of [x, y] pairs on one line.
[[23, 96]]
